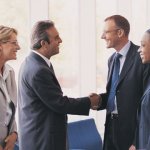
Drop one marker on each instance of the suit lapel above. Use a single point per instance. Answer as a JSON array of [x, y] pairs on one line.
[[126, 67], [111, 68], [127, 64], [53, 72], [2, 91], [42, 61], [12, 106]]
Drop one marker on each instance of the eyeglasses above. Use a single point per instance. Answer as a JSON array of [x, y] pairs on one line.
[[109, 31], [11, 42]]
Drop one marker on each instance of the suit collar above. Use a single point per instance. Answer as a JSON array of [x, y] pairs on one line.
[[125, 49], [42, 61], [38, 58], [6, 71], [46, 59], [127, 64], [123, 52]]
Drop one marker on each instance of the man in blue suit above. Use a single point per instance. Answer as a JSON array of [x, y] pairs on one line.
[[122, 100], [42, 106]]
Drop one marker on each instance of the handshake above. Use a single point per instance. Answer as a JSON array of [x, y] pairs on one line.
[[95, 101]]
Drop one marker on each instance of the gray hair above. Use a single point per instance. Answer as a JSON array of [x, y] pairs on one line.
[[39, 33]]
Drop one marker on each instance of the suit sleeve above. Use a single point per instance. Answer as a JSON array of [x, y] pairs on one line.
[[104, 96], [49, 92]]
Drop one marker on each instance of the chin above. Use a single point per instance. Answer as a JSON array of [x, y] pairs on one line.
[[15, 57], [145, 61], [57, 52], [108, 46]]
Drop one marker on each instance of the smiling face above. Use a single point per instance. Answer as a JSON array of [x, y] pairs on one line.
[[55, 40], [145, 48], [110, 34], [116, 30], [9, 48], [51, 48]]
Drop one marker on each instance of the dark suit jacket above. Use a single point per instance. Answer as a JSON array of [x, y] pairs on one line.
[[143, 132], [130, 88], [43, 108]]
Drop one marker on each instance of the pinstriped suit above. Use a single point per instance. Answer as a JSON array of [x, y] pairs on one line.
[[42, 107]]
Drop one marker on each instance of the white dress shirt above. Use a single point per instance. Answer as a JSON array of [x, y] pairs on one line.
[[122, 59]]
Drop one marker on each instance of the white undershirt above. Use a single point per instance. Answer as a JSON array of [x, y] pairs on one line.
[[123, 52]]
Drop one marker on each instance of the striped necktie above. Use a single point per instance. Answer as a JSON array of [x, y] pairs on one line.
[[114, 83]]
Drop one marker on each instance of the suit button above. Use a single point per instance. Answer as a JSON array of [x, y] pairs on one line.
[[118, 91]]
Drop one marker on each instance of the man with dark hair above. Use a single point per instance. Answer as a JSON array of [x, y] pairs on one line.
[[42, 106], [127, 77]]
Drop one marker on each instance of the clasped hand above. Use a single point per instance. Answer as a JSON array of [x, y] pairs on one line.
[[95, 101]]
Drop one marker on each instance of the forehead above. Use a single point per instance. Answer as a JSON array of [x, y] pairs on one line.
[[109, 24], [146, 37], [13, 36], [52, 32]]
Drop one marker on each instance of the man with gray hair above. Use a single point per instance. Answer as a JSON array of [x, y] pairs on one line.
[[42, 107]]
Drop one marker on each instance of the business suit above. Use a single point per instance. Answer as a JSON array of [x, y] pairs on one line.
[[143, 130], [12, 91], [129, 90], [43, 108]]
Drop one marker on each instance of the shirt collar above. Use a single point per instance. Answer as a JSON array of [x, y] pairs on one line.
[[125, 49], [46, 59], [6, 70]]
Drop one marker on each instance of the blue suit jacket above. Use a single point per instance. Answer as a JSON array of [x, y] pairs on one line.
[[143, 135], [43, 108], [129, 91]]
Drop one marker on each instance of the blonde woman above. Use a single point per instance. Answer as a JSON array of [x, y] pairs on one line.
[[8, 93]]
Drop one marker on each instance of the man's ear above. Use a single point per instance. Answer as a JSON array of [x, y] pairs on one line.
[[43, 43], [120, 33]]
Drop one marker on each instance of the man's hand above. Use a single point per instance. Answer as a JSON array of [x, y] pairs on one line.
[[95, 101], [10, 141]]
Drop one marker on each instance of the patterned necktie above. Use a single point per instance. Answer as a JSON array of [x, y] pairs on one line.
[[114, 83]]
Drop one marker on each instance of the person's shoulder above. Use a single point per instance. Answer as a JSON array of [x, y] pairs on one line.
[[134, 46], [9, 68]]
